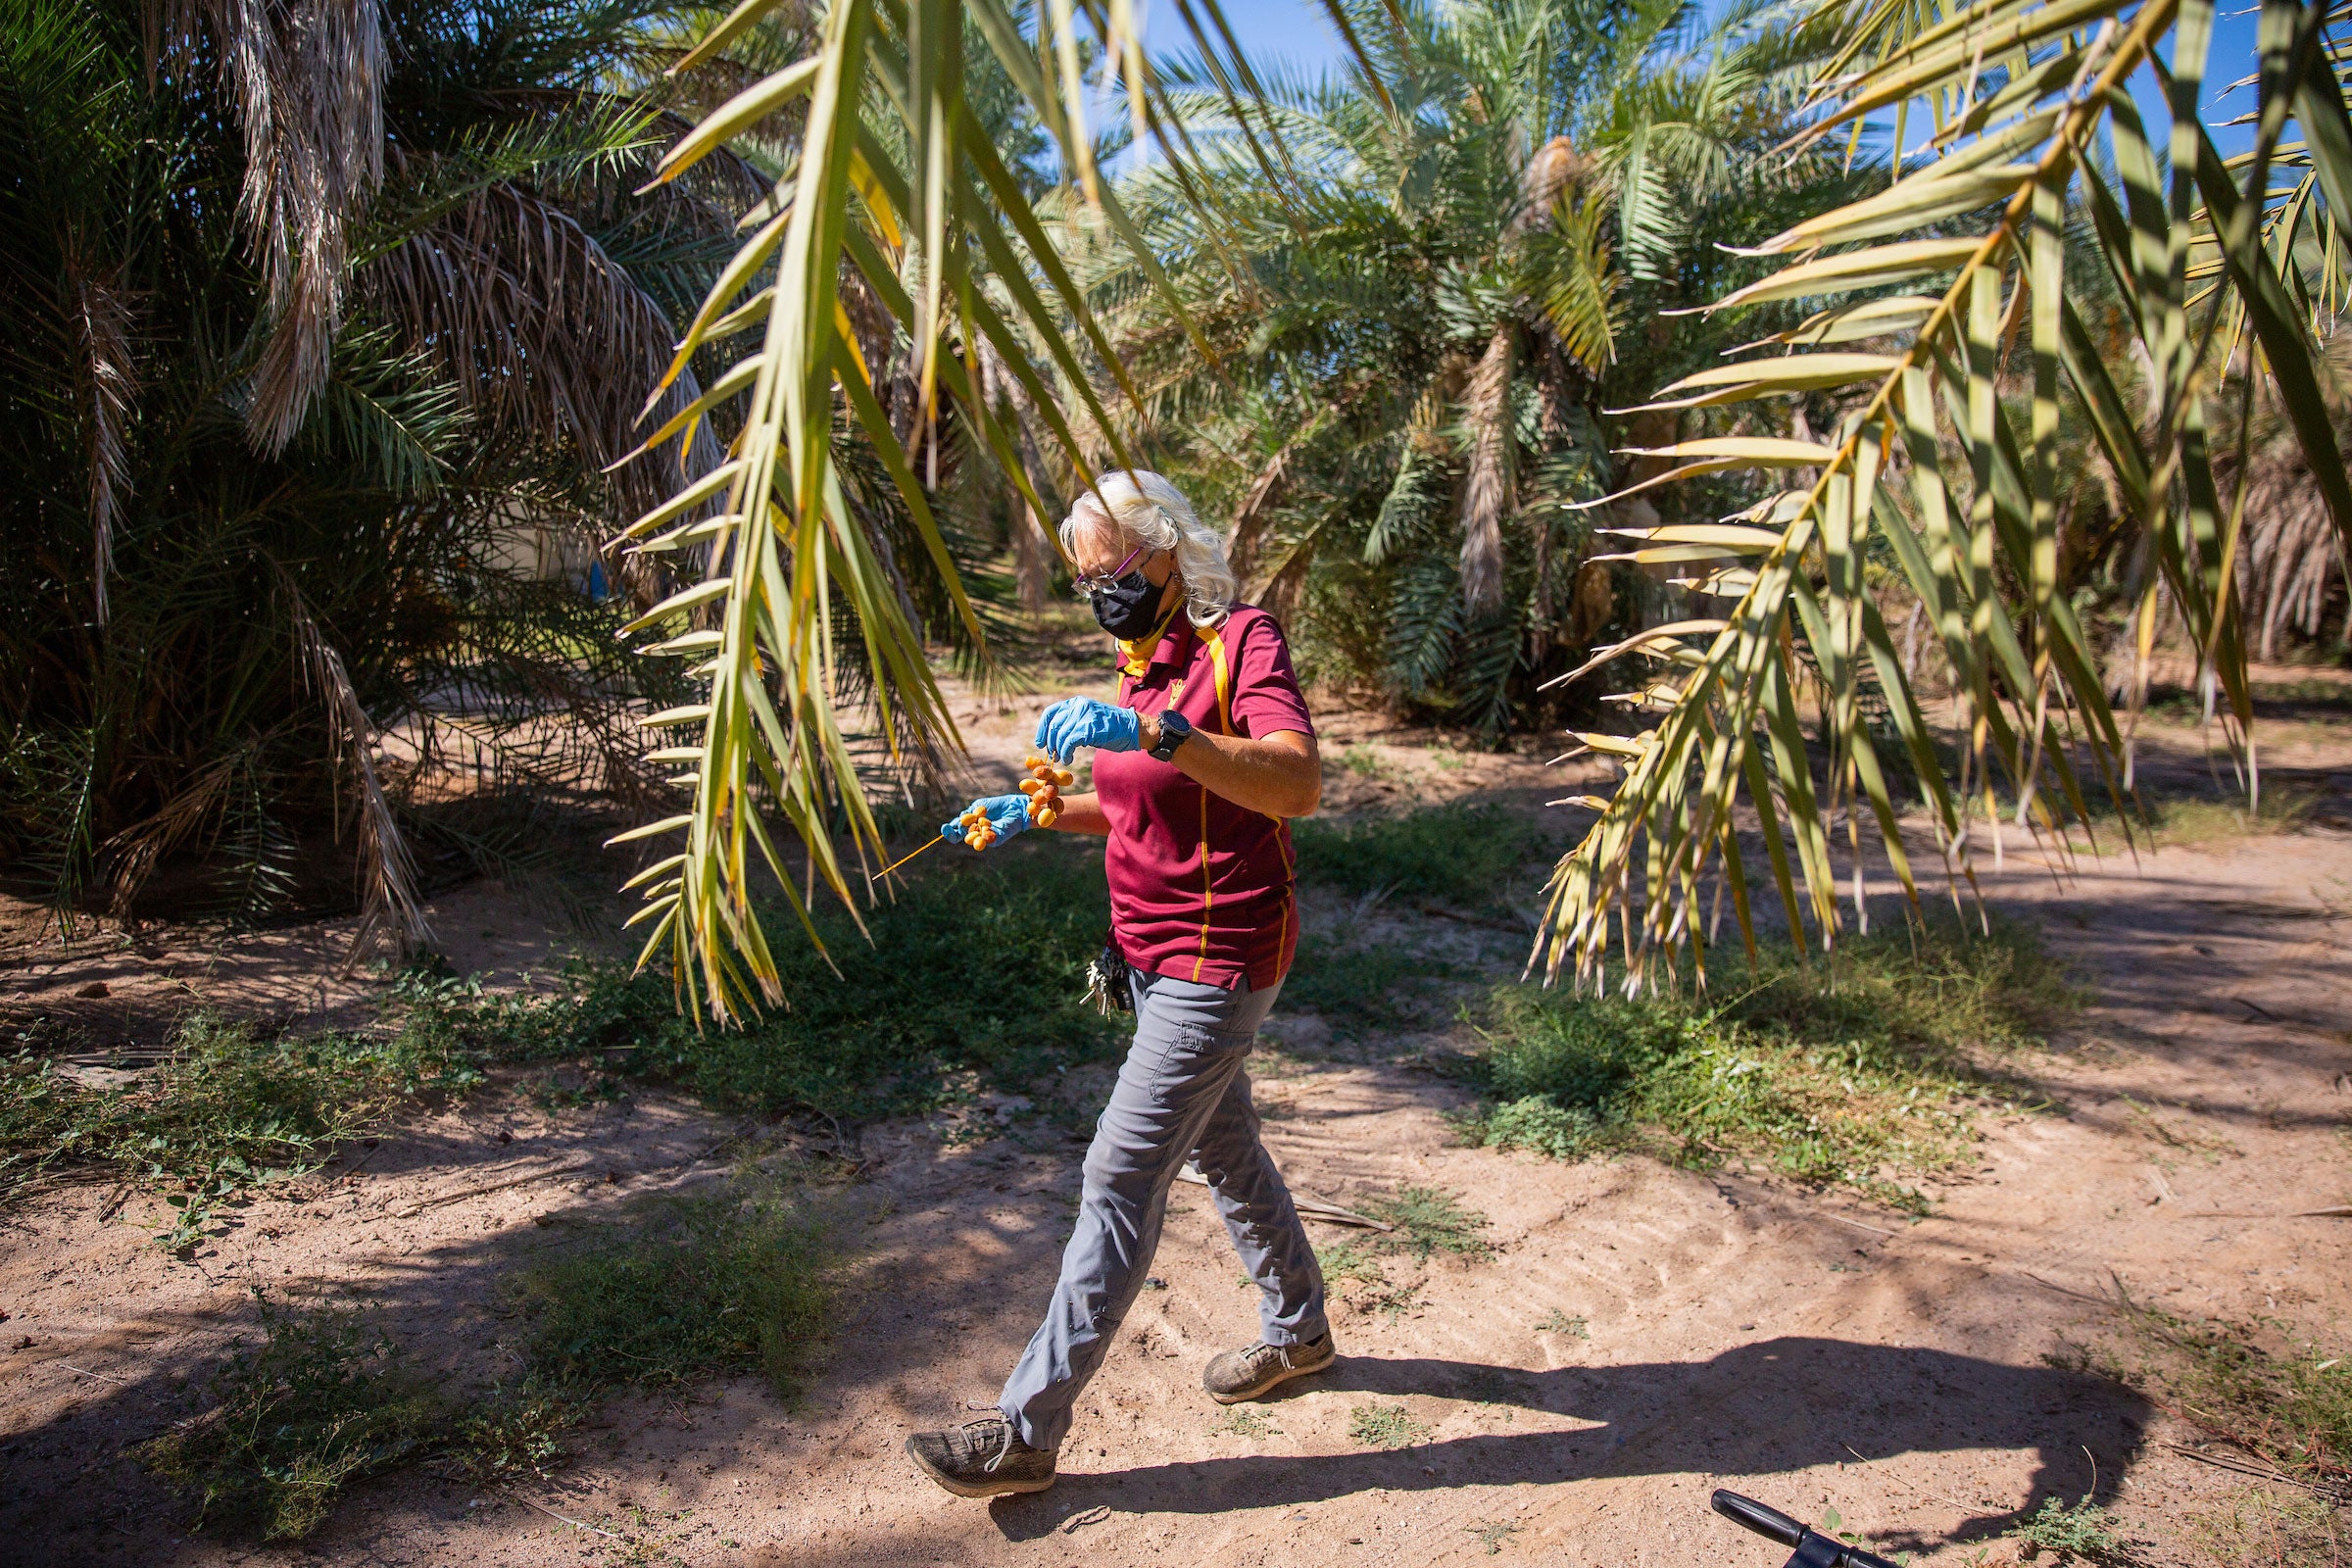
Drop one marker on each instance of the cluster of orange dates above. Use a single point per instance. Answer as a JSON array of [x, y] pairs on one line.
[[1043, 787]]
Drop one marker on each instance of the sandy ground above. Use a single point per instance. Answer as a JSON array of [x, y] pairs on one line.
[[1811, 1351]]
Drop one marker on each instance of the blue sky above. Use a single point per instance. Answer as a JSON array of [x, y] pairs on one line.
[[1298, 33], [1267, 29]]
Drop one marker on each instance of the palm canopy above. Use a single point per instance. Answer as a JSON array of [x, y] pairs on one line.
[[1421, 319], [894, 210], [317, 303], [1444, 226]]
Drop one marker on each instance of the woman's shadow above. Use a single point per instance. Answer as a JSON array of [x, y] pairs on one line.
[[1777, 1406]]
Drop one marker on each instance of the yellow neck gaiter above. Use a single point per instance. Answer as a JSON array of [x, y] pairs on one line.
[[1136, 657]]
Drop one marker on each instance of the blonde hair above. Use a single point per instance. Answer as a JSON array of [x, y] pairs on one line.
[[1147, 510]]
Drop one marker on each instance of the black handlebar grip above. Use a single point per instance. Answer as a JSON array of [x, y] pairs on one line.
[[1756, 1516], [1812, 1550], [1856, 1557]]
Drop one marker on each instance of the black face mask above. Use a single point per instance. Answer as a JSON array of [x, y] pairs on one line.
[[1129, 607]]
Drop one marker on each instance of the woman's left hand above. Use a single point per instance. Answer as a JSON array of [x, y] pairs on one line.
[[1007, 816], [1077, 721]]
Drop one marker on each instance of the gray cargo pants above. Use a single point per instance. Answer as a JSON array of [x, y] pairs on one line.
[[1181, 1091]]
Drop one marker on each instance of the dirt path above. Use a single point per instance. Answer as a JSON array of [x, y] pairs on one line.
[[1641, 1334]]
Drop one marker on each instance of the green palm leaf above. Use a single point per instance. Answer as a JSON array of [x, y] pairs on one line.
[[1947, 456], [895, 203]]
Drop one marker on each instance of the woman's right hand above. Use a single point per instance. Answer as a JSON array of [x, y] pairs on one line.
[[1008, 814]]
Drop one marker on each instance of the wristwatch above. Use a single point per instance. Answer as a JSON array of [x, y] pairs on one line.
[[1174, 730]]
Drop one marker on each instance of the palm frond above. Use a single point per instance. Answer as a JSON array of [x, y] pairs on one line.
[[306, 82], [1946, 458], [897, 186]]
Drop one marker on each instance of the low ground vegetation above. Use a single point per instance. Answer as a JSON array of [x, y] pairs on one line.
[[1240, 1421], [2272, 1527], [974, 980], [1385, 1426], [1429, 1220], [325, 1399], [2272, 699], [680, 1290], [2196, 820], [2073, 1532], [730, 1283], [976, 966], [231, 1107], [2285, 1400], [1853, 1072], [1364, 989], [1467, 857], [1423, 1221]]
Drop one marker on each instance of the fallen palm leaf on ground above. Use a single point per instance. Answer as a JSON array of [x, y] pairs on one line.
[[1311, 1207]]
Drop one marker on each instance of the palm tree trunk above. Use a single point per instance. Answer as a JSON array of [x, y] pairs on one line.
[[1487, 495], [1029, 568]]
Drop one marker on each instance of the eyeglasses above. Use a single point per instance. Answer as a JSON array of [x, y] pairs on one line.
[[1088, 585]]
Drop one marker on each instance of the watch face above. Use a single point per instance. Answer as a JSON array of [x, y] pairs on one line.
[[1174, 727]]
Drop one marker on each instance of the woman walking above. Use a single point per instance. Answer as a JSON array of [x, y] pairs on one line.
[[1198, 767]]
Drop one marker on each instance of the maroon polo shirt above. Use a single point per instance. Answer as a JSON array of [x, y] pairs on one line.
[[1202, 889]]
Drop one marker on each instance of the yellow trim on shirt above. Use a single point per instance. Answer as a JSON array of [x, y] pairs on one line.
[[1216, 658], [1215, 640]]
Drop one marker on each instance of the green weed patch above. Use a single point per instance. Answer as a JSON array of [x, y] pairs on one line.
[[1364, 990], [1385, 1426], [2188, 822], [677, 1291], [1556, 1321], [2192, 820], [324, 1399], [1353, 1273], [2080, 1532], [517, 1429], [2250, 1384], [1468, 857], [693, 1288], [1494, 1534], [1244, 1423], [1430, 1219], [977, 967], [1427, 1220], [1847, 1072], [232, 1106]]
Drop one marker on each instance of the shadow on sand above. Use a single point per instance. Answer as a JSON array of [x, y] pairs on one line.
[[1762, 1409]]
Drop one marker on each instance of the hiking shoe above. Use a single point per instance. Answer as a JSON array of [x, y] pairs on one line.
[[982, 1459], [1252, 1374]]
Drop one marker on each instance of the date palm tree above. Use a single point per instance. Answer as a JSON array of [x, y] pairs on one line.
[[1944, 353], [316, 302], [1422, 320]]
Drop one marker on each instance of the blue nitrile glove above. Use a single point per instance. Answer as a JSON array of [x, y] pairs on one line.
[[1077, 721], [1007, 813]]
